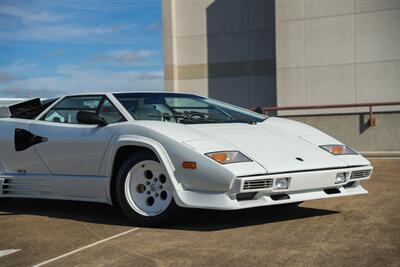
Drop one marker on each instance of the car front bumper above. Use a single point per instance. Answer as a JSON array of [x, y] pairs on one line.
[[256, 191]]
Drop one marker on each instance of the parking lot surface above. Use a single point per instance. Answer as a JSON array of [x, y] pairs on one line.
[[351, 231]]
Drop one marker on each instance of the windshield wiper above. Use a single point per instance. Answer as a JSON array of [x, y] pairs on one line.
[[186, 120], [194, 120], [165, 115], [233, 120], [199, 120]]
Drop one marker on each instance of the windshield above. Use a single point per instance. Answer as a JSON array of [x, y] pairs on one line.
[[184, 108]]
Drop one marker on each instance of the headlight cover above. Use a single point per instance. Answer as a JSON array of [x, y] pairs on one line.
[[226, 157], [338, 150]]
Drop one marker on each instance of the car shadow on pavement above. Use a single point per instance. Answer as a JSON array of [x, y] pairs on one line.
[[191, 219], [70, 210], [214, 220]]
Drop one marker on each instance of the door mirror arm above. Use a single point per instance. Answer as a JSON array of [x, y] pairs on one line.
[[102, 122], [90, 118]]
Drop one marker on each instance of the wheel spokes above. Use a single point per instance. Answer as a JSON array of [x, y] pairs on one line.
[[148, 185]]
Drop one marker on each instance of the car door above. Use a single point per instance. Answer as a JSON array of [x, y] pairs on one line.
[[72, 148], [14, 158]]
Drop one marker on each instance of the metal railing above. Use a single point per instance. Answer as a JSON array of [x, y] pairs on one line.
[[371, 119]]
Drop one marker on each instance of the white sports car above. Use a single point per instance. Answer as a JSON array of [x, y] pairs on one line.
[[153, 153]]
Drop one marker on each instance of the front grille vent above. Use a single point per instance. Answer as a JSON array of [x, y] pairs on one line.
[[360, 174], [258, 184]]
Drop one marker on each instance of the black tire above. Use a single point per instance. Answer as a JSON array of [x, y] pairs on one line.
[[166, 217], [4, 201], [293, 204]]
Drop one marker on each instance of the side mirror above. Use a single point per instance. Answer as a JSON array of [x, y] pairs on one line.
[[91, 118], [259, 110]]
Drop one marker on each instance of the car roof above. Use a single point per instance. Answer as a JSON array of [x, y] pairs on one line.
[[130, 92]]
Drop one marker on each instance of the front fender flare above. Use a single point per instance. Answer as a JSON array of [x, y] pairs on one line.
[[136, 140]]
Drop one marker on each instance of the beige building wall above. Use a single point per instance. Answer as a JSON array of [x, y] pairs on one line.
[[224, 49], [284, 52], [292, 52], [354, 130], [337, 51]]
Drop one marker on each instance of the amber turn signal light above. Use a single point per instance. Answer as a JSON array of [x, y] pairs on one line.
[[337, 150], [220, 157], [189, 165]]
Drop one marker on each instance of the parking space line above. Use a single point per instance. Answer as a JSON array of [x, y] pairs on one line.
[[8, 252], [85, 247]]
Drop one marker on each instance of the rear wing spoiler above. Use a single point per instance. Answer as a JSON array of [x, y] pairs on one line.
[[27, 109]]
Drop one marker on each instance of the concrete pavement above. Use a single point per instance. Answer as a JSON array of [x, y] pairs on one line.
[[353, 231]]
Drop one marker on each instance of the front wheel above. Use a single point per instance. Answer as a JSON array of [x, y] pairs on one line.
[[293, 204], [4, 201], [144, 191]]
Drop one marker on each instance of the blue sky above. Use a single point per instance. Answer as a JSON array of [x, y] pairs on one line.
[[50, 48]]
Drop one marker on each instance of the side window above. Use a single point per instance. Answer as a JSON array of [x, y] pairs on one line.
[[66, 110], [110, 113]]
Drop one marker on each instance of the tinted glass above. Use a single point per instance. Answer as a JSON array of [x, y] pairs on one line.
[[184, 108], [110, 113], [67, 110], [79, 103]]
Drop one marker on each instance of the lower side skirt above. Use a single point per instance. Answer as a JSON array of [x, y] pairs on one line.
[[82, 188]]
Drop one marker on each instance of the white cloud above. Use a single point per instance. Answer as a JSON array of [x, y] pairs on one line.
[[5, 77], [29, 16], [56, 52], [98, 6], [76, 79], [19, 66], [52, 27], [154, 26], [61, 33], [19, 92], [124, 55]]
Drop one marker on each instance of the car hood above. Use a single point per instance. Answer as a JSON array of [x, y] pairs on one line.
[[272, 146], [275, 143]]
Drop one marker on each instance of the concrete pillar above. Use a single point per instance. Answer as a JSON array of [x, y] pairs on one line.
[[224, 49]]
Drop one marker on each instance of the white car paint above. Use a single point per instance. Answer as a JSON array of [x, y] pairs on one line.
[[76, 162], [73, 149]]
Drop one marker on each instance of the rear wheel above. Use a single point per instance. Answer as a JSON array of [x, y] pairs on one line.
[[144, 191]]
